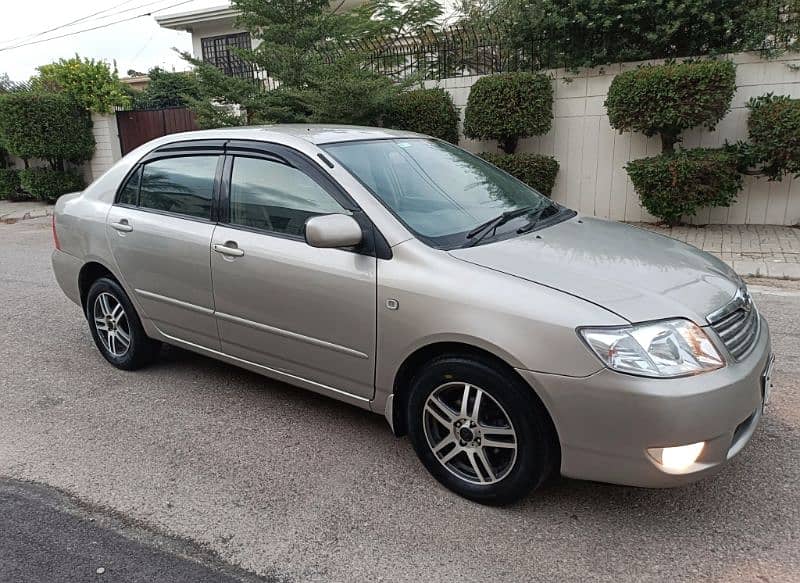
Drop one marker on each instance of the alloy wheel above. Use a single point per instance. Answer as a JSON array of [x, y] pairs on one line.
[[111, 323], [470, 433]]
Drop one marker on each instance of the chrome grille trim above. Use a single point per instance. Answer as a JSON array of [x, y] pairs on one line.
[[737, 324]]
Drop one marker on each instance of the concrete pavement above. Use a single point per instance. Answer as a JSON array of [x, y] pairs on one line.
[[297, 487], [13, 212]]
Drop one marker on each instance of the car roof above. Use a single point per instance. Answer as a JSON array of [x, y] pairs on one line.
[[314, 133]]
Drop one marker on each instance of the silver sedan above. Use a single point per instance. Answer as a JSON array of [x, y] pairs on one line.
[[508, 336]]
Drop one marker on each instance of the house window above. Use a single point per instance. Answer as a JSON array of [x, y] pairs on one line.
[[217, 50]]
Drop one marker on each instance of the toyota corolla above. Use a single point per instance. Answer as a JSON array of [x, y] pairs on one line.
[[508, 336]]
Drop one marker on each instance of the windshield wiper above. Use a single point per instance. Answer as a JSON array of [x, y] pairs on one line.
[[540, 216], [491, 225]]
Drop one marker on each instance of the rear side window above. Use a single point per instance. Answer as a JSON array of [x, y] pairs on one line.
[[275, 197], [130, 192], [179, 185]]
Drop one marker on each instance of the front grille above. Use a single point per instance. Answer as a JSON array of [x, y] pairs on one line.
[[737, 324]]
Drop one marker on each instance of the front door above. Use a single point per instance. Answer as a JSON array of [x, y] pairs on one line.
[[160, 233], [279, 302]]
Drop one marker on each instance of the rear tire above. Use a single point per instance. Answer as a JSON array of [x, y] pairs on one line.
[[116, 328], [495, 454]]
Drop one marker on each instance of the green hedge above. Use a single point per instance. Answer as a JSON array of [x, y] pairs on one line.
[[51, 127], [47, 185], [774, 126], [667, 99], [534, 170], [677, 184], [9, 183], [427, 111], [509, 106]]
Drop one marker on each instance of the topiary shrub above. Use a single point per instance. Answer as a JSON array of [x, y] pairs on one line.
[[47, 185], [51, 127], [667, 99], [427, 111], [774, 128], [509, 106], [9, 184], [677, 184], [535, 170]]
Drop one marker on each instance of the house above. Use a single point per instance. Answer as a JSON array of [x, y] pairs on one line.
[[138, 82], [214, 33]]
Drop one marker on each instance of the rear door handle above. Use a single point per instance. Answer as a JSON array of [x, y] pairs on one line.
[[230, 249], [123, 226]]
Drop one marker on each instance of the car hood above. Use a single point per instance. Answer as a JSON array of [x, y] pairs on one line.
[[634, 273]]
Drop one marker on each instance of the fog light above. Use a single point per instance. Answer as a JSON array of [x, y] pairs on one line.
[[677, 458]]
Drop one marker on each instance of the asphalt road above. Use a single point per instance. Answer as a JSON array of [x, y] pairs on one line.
[[49, 538], [294, 486]]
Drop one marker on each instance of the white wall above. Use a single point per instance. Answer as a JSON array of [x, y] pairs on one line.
[[592, 155], [107, 147]]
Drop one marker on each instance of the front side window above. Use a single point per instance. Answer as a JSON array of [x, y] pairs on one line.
[[439, 191], [179, 185], [275, 197]]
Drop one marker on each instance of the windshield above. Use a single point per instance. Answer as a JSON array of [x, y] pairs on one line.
[[439, 191]]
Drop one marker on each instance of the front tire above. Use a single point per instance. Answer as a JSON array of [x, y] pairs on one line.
[[480, 430], [116, 328]]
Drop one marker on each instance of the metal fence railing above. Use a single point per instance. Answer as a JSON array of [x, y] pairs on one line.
[[463, 50]]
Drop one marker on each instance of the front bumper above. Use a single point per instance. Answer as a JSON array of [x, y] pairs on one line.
[[607, 421]]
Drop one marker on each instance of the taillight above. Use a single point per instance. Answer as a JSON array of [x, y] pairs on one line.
[[55, 235]]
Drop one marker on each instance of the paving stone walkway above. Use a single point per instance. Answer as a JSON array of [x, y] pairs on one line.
[[754, 250]]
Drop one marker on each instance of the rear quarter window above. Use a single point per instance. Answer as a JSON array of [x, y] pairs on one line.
[[129, 194]]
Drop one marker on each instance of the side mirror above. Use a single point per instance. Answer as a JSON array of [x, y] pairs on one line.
[[329, 231]]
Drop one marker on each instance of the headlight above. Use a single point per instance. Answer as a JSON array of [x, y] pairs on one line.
[[670, 348]]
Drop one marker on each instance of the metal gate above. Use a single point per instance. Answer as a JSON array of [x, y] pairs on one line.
[[139, 126]]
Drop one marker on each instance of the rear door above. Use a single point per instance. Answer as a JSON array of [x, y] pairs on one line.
[[281, 303], [160, 231]]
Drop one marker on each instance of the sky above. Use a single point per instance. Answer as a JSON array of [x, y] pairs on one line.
[[138, 44]]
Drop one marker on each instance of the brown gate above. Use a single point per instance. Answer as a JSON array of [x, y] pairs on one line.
[[139, 126]]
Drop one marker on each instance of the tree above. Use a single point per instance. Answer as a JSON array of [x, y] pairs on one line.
[[93, 84], [310, 54], [169, 89]]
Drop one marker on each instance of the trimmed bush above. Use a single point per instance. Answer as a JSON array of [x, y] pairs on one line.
[[9, 183], [677, 184], [426, 111], [47, 185], [51, 127], [774, 126], [509, 106], [535, 170], [667, 99]]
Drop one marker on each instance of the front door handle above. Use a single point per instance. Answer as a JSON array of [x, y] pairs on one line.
[[123, 226], [230, 249]]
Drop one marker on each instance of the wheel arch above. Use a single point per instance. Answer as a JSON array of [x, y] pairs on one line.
[[91, 272], [425, 354]]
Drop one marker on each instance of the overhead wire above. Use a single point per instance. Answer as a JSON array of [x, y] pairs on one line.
[[98, 27]]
